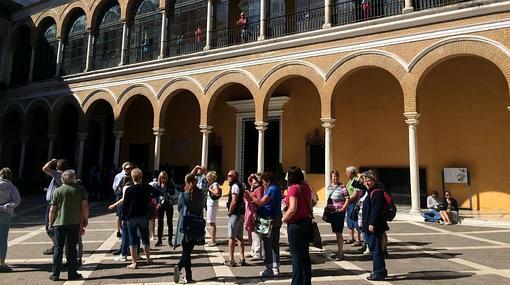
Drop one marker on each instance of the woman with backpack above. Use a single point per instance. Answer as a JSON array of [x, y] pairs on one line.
[[213, 195], [190, 231], [166, 195], [374, 224]]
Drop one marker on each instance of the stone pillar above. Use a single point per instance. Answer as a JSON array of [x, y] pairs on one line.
[[327, 14], [51, 141], [262, 33], [116, 152], [205, 130], [157, 146], [124, 42], [24, 141], [261, 127], [60, 47], [327, 124], [408, 6], [209, 26], [31, 70], [89, 51], [163, 35], [81, 147], [412, 120]]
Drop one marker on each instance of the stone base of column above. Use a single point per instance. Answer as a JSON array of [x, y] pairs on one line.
[[407, 10], [207, 48], [326, 26], [161, 56], [415, 211], [261, 38]]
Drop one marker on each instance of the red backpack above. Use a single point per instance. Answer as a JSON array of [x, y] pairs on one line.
[[390, 209]]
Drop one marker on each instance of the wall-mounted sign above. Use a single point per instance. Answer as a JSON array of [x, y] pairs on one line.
[[456, 175]]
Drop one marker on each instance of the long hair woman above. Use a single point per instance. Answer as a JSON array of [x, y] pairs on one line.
[[190, 203], [166, 193], [299, 225]]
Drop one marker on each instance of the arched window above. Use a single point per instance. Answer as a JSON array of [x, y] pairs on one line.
[[75, 45], [187, 27], [108, 38], [46, 51], [21, 58], [144, 32]]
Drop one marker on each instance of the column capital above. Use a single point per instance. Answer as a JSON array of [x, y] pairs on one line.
[[82, 136], [508, 108], [261, 126], [412, 118], [158, 131], [118, 134], [205, 129], [327, 123]]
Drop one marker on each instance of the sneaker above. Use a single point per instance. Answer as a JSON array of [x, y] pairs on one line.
[[276, 271], [75, 277], [119, 235], [120, 258], [48, 251], [242, 262], [266, 273], [230, 263], [5, 268], [367, 251], [54, 278], [177, 274]]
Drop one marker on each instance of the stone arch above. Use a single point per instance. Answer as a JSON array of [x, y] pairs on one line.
[[67, 14], [47, 15], [270, 81], [100, 94], [125, 100], [11, 39], [56, 111], [40, 102], [389, 62], [219, 83], [16, 107], [440, 51], [172, 88], [95, 9]]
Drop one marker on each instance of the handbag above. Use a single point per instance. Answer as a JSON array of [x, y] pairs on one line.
[[326, 215], [316, 239], [263, 226], [193, 226]]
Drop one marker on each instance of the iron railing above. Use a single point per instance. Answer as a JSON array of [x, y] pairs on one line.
[[187, 43], [298, 22], [427, 4], [348, 11], [75, 54], [234, 35], [107, 47], [149, 50]]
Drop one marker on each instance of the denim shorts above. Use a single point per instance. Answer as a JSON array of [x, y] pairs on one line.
[[142, 224], [235, 226]]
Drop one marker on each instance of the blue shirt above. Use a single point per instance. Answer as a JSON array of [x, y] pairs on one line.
[[275, 201]]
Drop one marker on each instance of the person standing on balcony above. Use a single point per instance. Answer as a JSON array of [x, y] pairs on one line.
[[198, 35], [243, 22]]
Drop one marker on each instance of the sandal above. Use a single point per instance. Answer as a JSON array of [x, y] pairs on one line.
[[357, 243], [242, 262], [229, 263], [349, 241]]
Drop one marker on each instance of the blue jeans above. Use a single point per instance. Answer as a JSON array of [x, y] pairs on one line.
[[5, 223], [379, 264], [140, 223], [431, 216], [185, 261], [71, 233], [299, 239], [272, 244]]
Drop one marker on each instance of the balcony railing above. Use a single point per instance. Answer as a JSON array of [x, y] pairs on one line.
[[348, 11], [105, 59], [235, 35], [427, 4], [185, 43], [295, 23], [73, 65], [147, 51]]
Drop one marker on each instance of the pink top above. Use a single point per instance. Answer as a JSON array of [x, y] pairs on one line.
[[303, 193], [251, 209]]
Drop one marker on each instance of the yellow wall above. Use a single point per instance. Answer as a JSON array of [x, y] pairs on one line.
[[465, 124], [181, 145]]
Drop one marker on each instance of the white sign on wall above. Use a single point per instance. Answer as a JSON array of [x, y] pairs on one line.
[[456, 175]]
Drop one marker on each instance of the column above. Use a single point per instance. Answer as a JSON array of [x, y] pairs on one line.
[[261, 127], [209, 26], [205, 130], [81, 147], [116, 152], [262, 32], [124, 42], [24, 141], [327, 14], [157, 146], [412, 120], [31, 71], [59, 57], [327, 124], [408, 6], [51, 141], [163, 35], [89, 51]]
